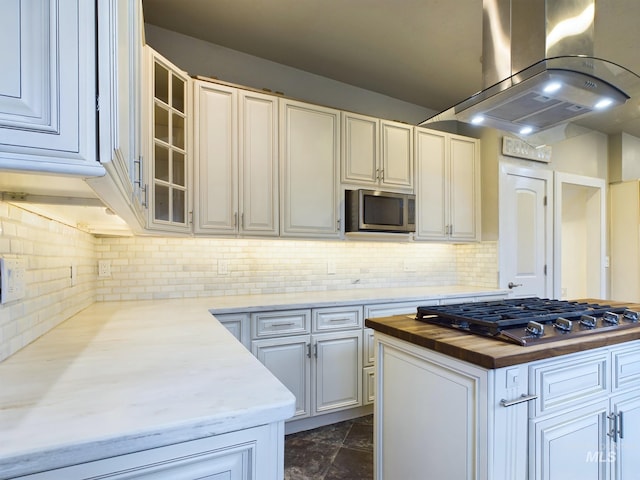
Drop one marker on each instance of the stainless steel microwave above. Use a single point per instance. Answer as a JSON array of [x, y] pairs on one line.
[[378, 211]]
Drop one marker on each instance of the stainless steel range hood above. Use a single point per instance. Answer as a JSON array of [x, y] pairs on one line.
[[539, 69]]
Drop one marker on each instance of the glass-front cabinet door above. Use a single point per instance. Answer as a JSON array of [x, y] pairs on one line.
[[169, 166]]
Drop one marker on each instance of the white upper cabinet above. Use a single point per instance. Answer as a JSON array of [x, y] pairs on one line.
[[448, 186], [48, 87], [309, 163], [258, 142], [376, 153], [236, 161], [120, 39], [215, 158], [167, 154]]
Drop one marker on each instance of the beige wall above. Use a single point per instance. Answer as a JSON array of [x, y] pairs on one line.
[[198, 57]]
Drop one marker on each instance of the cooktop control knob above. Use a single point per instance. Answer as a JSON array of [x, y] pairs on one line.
[[630, 315], [563, 324], [535, 328], [611, 318], [588, 321]]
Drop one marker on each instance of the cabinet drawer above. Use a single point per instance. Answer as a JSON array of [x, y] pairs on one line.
[[569, 382], [285, 322], [338, 318], [396, 308], [626, 367]]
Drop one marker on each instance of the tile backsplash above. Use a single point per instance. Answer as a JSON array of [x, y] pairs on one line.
[[49, 250], [148, 268], [168, 267]]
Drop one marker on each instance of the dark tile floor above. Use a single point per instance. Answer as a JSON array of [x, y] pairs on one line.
[[342, 451]]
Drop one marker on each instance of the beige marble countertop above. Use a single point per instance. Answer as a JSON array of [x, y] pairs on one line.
[[126, 376]]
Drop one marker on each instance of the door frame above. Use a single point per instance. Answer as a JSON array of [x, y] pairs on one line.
[[539, 174], [562, 178]]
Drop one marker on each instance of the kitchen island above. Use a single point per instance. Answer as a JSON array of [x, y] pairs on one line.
[[459, 406]]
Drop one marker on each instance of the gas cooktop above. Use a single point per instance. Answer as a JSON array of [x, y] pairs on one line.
[[529, 321]]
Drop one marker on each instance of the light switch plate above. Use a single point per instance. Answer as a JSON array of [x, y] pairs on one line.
[[12, 278]]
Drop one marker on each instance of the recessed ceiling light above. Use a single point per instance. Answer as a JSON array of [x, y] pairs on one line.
[[477, 120], [526, 130]]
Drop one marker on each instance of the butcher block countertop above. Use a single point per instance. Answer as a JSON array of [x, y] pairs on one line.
[[490, 352]]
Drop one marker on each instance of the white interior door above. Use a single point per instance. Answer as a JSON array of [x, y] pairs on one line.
[[525, 232]]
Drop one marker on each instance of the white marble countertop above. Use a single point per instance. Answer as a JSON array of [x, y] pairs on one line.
[[352, 296], [126, 376]]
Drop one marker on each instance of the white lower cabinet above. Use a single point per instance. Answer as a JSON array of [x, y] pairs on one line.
[[571, 445], [322, 370], [289, 359], [251, 454], [238, 325], [572, 417]]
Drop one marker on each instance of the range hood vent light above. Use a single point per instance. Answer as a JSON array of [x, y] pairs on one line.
[[536, 78]]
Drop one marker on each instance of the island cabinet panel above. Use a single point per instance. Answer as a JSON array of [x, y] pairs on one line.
[[624, 456], [572, 416], [251, 454], [571, 445]]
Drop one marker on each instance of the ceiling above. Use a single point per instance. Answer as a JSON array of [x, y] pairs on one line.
[[426, 52]]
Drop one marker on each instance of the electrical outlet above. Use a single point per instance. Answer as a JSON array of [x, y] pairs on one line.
[[104, 268], [12, 279], [223, 267]]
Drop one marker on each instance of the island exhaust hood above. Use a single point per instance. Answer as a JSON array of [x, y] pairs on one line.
[[539, 68]]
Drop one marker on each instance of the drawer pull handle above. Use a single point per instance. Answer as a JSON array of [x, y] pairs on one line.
[[339, 320], [523, 398], [290, 324]]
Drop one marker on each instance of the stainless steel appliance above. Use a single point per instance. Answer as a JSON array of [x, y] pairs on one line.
[[379, 211], [530, 321], [540, 69]]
